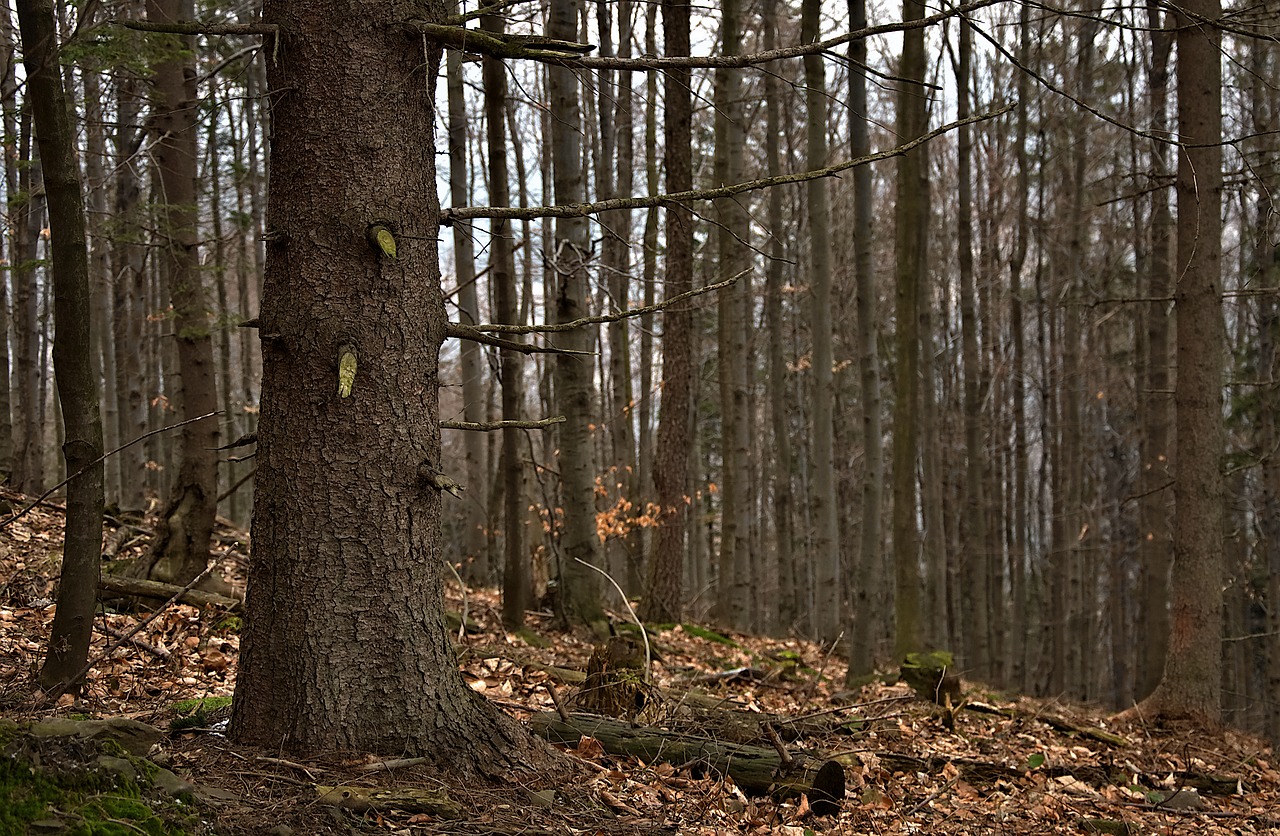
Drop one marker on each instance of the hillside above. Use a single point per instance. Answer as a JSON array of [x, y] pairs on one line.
[[995, 765]]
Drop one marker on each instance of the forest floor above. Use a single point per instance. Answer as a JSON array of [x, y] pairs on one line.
[[996, 765]]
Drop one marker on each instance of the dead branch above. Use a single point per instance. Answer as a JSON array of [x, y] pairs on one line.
[[490, 426], [195, 27], [574, 210], [459, 331], [614, 317]]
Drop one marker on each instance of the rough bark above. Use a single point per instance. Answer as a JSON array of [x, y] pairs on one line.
[[72, 628], [345, 644]]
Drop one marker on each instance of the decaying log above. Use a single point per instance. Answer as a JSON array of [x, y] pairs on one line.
[[757, 770], [117, 585]]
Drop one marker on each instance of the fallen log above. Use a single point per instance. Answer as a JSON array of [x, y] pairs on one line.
[[755, 769], [117, 585]]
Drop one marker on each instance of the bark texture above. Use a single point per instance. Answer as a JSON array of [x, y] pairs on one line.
[[345, 644]]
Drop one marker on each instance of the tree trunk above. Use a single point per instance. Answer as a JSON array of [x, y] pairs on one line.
[[516, 588], [828, 608], [475, 555], [733, 238], [1155, 546], [1192, 679], [345, 644], [976, 550], [671, 462], [911, 220], [128, 260], [579, 583], [780, 463], [77, 386], [180, 550]]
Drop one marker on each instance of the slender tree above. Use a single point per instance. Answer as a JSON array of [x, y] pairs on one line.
[[1192, 680], [666, 565], [73, 344], [180, 550], [911, 222]]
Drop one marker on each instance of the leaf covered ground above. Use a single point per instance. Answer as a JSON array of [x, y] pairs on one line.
[[998, 764]]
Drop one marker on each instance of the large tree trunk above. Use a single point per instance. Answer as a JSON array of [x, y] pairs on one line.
[[345, 644], [1192, 678], [180, 550], [77, 386]]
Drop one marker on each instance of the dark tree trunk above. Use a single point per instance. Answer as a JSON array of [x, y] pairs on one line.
[[345, 644], [666, 565], [73, 344], [180, 551], [1192, 680]]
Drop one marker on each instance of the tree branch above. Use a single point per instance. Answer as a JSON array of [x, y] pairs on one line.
[[505, 50], [195, 27], [595, 320], [530, 47], [573, 210], [459, 331], [490, 426]]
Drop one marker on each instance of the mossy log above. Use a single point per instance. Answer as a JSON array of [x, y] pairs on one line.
[[755, 769]]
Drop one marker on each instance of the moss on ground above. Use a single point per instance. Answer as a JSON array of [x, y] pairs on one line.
[[82, 787]]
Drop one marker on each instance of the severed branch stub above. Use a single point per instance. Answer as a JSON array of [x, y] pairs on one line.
[[490, 426]]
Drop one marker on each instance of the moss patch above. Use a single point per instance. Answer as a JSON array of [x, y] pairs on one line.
[[82, 786]]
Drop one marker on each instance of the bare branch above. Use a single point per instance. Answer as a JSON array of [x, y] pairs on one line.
[[459, 331], [504, 50], [490, 426], [195, 27], [596, 320], [572, 210]]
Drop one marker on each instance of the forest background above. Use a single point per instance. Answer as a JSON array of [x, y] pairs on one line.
[[947, 425]]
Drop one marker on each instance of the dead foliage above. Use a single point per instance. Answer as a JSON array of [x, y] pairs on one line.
[[991, 764]]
